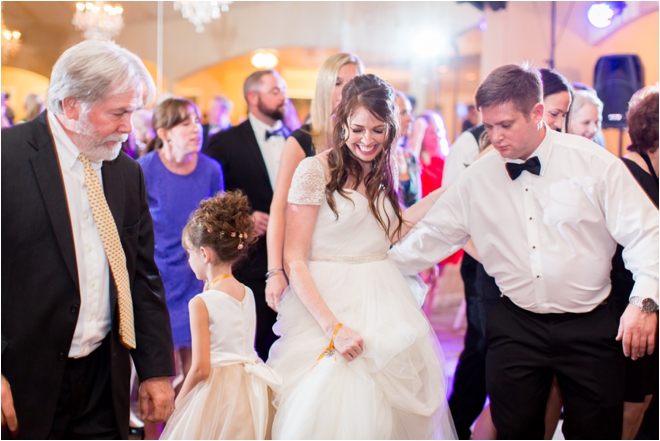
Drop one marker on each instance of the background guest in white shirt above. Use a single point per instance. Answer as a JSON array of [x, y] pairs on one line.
[[545, 212], [250, 156]]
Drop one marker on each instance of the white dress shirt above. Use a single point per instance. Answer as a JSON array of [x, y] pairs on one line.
[[463, 152], [94, 319], [271, 149], [548, 240]]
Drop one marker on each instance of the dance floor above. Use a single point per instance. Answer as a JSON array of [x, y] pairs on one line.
[[444, 316]]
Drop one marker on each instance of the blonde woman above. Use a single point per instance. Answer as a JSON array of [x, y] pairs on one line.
[[308, 140], [586, 115]]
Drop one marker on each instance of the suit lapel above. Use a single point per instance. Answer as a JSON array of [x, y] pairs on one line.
[[254, 152], [48, 174]]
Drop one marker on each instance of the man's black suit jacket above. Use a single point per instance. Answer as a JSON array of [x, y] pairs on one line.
[[244, 169], [40, 292]]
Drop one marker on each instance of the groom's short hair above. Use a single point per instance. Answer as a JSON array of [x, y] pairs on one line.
[[519, 84]]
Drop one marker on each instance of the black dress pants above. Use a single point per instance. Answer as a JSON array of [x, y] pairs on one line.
[[489, 294], [84, 407], [469, 391], [525, 351]]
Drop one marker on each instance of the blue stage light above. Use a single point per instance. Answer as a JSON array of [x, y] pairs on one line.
[[601, 14]]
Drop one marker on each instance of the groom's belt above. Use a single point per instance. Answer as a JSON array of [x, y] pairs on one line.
[[351, 259]]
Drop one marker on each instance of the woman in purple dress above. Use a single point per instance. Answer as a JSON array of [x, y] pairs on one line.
[[178, 177]]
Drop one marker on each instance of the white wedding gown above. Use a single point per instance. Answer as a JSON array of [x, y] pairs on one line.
[[396, 388]]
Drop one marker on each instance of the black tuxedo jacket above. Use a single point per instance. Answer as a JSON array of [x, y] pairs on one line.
[[244, 169], [40, 292]]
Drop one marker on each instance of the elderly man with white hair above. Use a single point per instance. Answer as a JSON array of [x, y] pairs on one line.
[[81, 293]]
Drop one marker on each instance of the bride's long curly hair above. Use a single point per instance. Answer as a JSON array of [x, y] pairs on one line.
[[377, 97]]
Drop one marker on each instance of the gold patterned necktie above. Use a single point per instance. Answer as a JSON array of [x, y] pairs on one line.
[[113, 250]]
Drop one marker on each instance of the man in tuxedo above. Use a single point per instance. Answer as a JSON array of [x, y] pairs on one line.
[[250, 157], [545, 211], [81, 293]]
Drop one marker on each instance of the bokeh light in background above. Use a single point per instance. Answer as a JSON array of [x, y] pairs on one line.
[[600, 15], [428, 43]]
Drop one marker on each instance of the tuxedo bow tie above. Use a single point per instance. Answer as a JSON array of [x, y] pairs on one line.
[[532, 165], [276, 132]]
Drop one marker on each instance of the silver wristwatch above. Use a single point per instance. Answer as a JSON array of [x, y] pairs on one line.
[[647, 305]]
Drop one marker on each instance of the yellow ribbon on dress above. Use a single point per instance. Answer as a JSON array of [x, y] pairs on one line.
[[331, 347]]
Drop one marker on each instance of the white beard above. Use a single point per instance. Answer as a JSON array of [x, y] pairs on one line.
[[93, 147]]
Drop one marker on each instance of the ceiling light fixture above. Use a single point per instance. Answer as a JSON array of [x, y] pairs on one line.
[[201, 13], [98, 20], [264, 60]]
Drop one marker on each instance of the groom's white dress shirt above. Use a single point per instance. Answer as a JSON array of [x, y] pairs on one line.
[[548, 240]]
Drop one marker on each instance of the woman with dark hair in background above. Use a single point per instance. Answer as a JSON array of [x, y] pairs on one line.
[[642, 161], [557, 97], [178, 177]]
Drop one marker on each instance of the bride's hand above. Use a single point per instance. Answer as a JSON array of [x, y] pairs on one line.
[[348, 343], [275, 286]]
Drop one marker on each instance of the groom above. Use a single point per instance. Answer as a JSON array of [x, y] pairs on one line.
[[545, 212]]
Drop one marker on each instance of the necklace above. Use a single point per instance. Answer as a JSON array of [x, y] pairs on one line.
[[219, 278]]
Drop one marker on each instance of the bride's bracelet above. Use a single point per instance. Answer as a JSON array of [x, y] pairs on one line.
[[331, 347], [273, 271]]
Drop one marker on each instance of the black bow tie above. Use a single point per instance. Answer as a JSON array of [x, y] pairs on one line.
[[532, 165], [276, 132]]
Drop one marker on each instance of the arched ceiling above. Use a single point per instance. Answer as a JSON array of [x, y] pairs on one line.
[[380, 32]]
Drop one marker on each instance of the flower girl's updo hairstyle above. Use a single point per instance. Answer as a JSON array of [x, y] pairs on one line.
[[222, 223], [377, 97]]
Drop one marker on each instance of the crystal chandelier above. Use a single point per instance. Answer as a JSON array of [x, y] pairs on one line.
[[98, 20], [200, 13], [10, 42]]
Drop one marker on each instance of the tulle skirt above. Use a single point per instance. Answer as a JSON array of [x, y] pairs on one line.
[[394, 390], [217, 408]]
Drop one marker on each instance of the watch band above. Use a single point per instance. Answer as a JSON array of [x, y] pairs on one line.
[[647, 304]]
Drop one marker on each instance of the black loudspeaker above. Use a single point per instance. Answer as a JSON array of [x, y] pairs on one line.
[[616, 79]]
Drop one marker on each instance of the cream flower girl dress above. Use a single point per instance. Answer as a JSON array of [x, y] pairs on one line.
[[233, 402]]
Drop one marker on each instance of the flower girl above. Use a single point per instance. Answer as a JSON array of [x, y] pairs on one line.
[[226, 392]]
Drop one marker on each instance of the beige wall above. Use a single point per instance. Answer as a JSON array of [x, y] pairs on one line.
[[19, 83], [298, 67], [521, 32]]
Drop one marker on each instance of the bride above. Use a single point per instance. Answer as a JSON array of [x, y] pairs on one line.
[[357, 355]]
